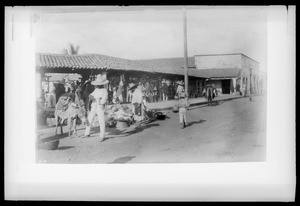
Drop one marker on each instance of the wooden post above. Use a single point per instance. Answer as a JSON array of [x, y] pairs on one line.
[[250, 89], [185, 54], [39, 89]]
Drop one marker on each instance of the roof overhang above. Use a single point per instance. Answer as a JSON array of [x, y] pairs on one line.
[[221, 78]]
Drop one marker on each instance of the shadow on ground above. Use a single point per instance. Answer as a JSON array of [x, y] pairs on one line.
[[166, 117], [114, 133], [196, 122], [213, 104], [64, 147], [53, 137]]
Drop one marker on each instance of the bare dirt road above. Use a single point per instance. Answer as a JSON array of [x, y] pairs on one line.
[[233, 131]]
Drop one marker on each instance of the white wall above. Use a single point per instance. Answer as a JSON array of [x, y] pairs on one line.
[[248, 64], [218, 61]]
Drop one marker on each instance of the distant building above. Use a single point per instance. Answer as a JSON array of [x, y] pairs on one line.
[[230, 73]]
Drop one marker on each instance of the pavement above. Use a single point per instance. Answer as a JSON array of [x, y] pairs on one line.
[[168, 105], [231, 131], [165, 105]]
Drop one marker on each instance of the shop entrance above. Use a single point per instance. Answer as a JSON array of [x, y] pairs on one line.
[[226, 86]]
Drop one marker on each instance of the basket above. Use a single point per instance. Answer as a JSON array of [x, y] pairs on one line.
[[50, 145], [122, 125], [175, 109]]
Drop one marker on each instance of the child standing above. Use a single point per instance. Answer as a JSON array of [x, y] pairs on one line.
[[183, 104]]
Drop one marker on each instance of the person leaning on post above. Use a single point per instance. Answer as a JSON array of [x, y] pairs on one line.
[[99, 99]]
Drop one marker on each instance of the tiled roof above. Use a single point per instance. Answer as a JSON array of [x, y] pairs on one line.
[[177, 62], [84, 61], [98, 61]]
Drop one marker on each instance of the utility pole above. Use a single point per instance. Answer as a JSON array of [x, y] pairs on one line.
[[250, 84], [251, 81], [186, 83]]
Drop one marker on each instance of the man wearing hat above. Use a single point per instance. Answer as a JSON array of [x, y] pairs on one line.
[[137, 100], [67, 84], [99, 98], [183, 104], [180, 89], [129, 92]]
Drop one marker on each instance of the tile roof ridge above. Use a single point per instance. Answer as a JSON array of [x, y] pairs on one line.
[[80, 55]]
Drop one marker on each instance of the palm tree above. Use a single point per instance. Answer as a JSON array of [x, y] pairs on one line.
[[71, 50]]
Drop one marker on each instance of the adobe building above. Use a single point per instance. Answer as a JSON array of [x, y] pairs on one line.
[[229, 72]]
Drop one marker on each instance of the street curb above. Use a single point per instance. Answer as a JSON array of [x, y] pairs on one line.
[[201, 103]]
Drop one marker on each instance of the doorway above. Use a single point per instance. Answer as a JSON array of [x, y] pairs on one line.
[[226, 86]]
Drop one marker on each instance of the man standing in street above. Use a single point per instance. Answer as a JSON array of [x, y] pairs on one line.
[[137, 100], [183, 105], [99, 98]]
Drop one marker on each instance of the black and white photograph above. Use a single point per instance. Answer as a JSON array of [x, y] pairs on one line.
[[176, 86], [148, 85]]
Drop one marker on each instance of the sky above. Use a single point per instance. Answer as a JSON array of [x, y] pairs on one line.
[[150, 33]]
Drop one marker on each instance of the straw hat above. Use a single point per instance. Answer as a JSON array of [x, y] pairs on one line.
[[180, 82], [86, 81], [100, 80], [133, 87]]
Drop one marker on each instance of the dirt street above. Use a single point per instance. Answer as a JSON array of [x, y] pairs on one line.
[[233, 131]]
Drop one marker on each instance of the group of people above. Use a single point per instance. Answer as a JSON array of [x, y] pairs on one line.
[[52, 91], [155, 91], [210, 91], [98, 97]]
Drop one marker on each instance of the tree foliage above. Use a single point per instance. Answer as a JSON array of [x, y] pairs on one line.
[[71, 50]]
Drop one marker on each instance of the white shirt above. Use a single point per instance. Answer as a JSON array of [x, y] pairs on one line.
[[137, 96], [100, 95], [180, 89]]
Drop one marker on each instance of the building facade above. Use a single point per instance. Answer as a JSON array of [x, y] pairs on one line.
[[247, 80], [230, 73]]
